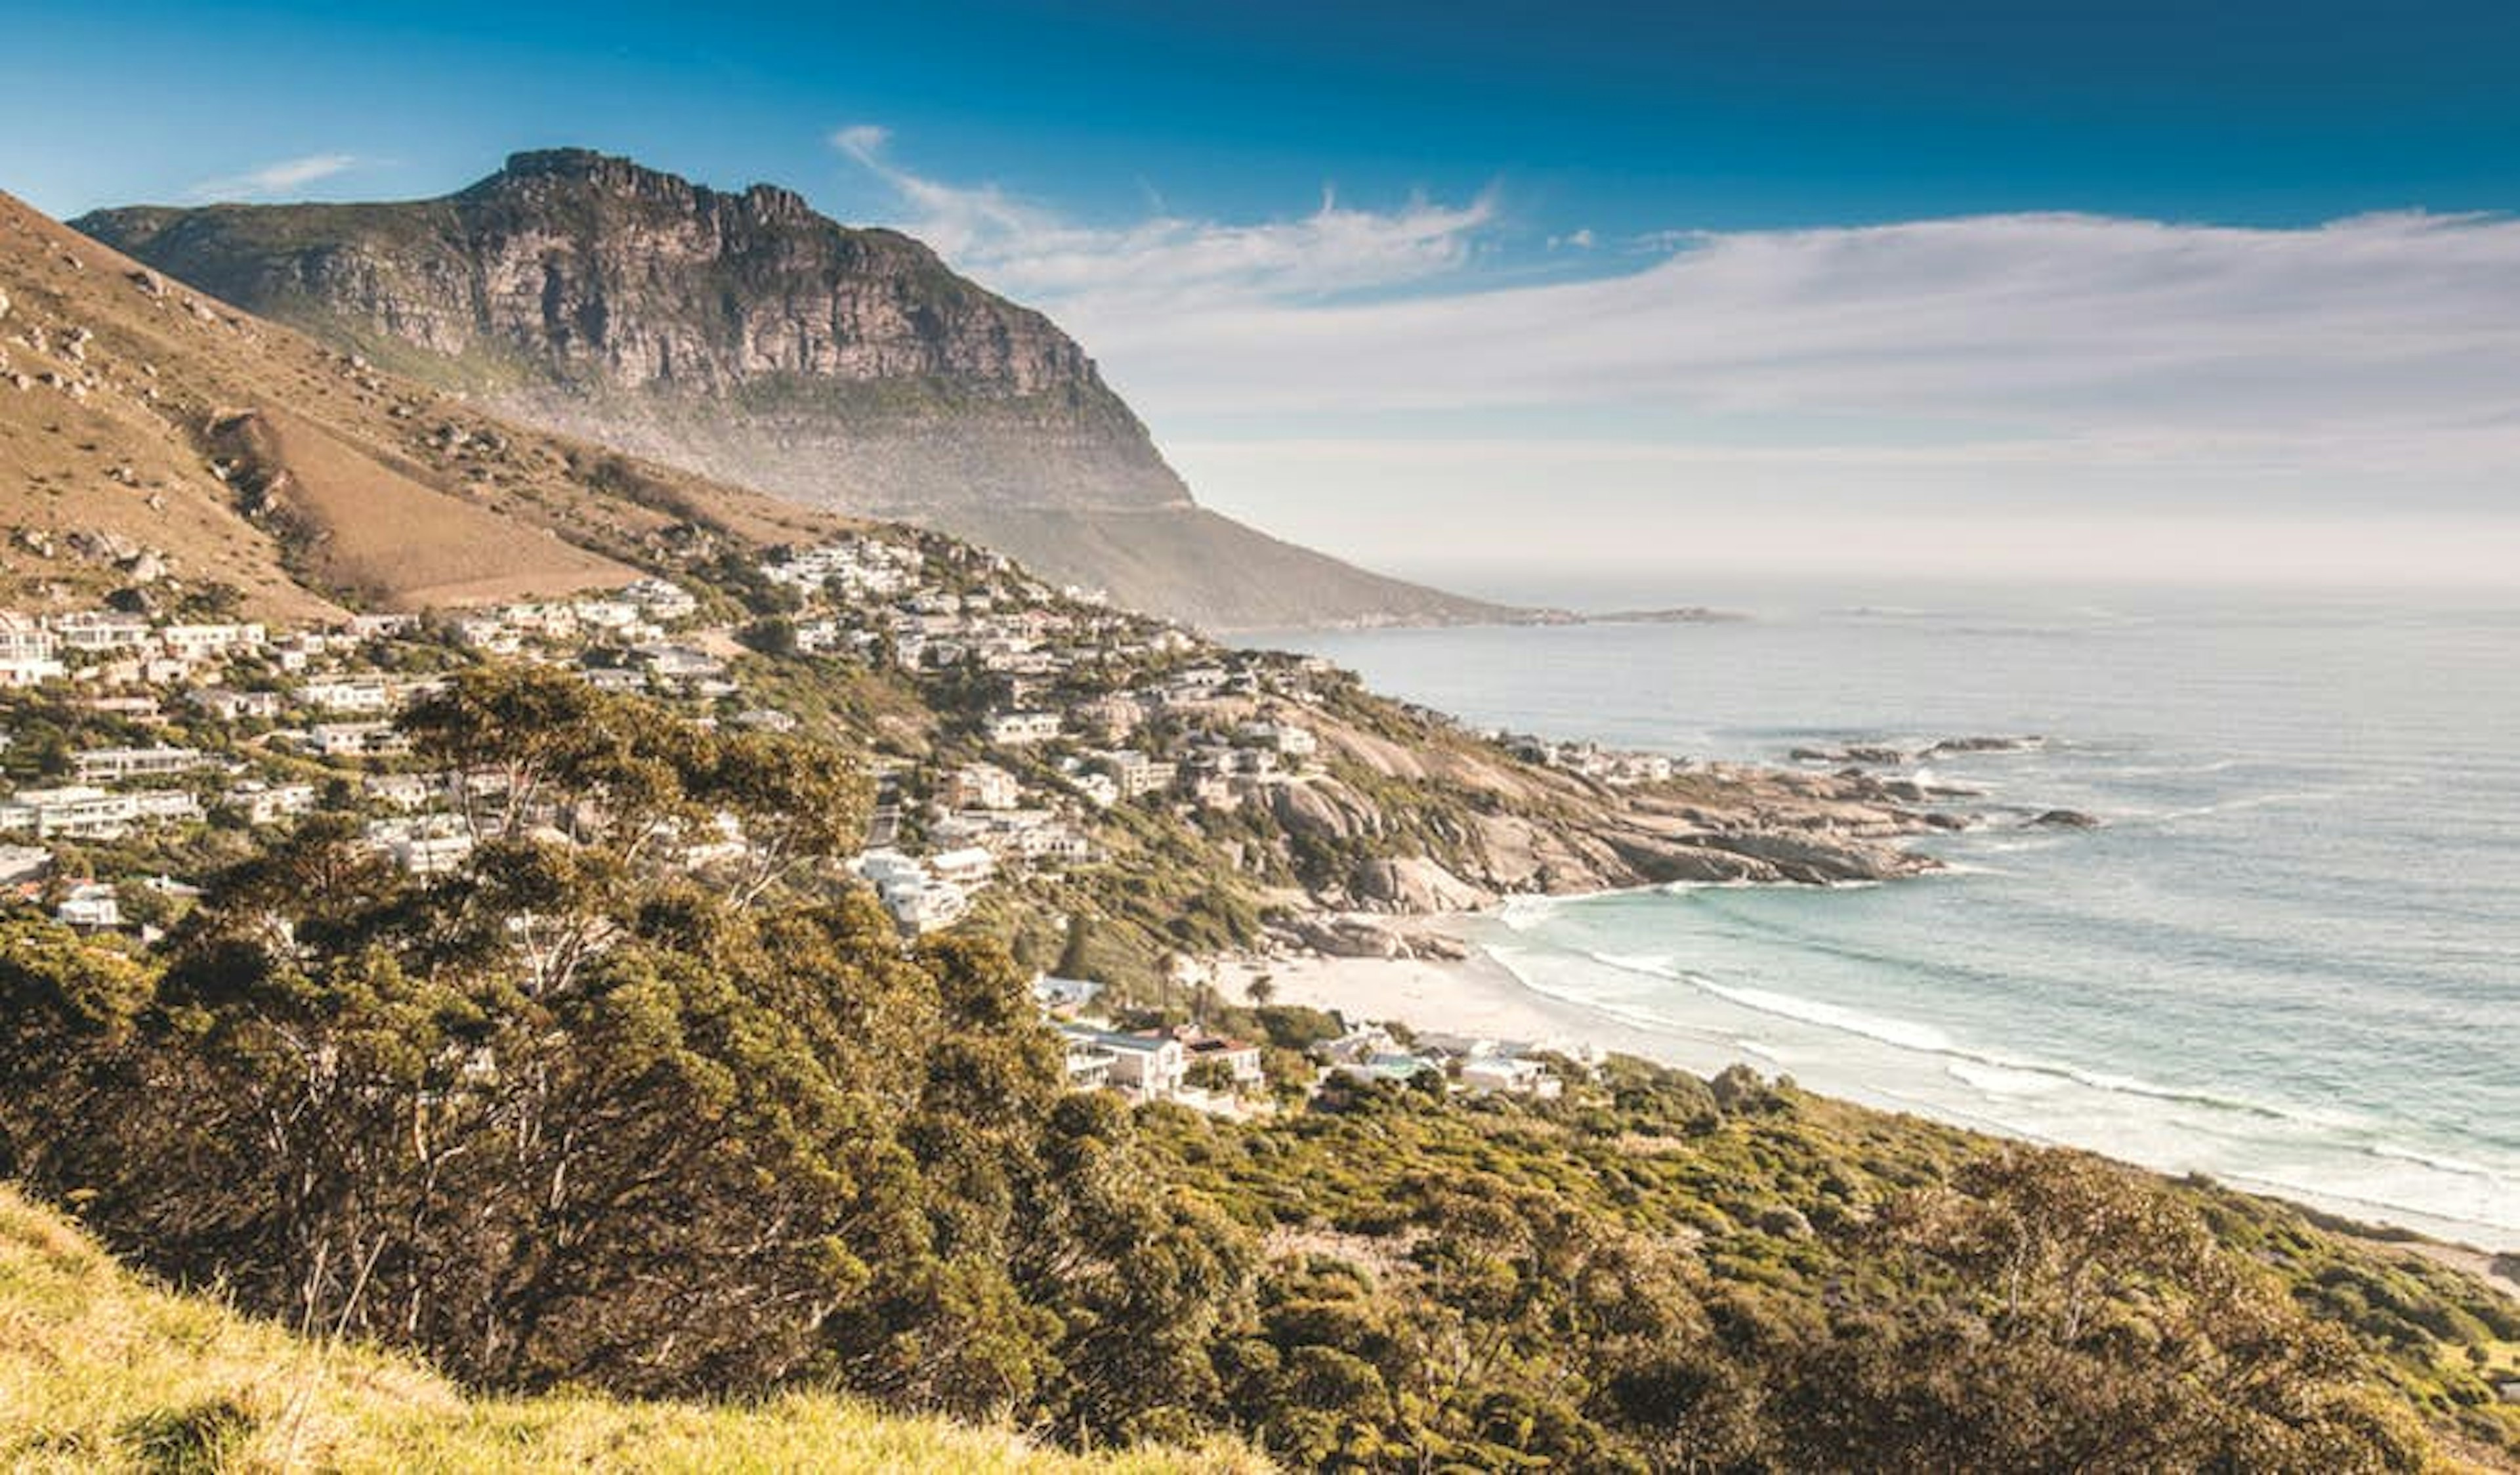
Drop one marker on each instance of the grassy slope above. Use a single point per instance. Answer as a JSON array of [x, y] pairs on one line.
[[100, 1370]]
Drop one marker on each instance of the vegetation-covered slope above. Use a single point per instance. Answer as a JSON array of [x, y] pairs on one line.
[[581, 1112], [100, 1370]]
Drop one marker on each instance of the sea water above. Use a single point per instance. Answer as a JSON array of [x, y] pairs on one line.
[[2290, 960]]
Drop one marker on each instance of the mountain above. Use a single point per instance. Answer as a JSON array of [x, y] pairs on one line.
[[745, 337], [160, 446]]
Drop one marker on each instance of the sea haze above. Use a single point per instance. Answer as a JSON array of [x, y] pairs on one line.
[[2290, 959]]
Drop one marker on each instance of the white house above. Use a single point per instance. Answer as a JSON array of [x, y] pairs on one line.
[[229, 704], [1089, 1064], [402, 791], [1017, 730], [102, 630], [1148, 1066], [982, 785], [919, 902], [1284, 738], [356, 740], [663, 602], [25, 639], [80, 812], [91, 906], [30, 670], [204, 642], [264, 803], [969, 868], [349, 695], [1134, 775], [424, 845], [1510, 1074], [135, 762]]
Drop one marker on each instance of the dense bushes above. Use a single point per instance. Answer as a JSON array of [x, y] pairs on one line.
[[578, 1114], [568, 1114]]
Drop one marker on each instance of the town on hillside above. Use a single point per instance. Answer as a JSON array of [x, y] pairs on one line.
[[134, 739]]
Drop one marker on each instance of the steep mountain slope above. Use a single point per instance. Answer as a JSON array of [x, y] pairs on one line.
[[157, 445], [746, 337]]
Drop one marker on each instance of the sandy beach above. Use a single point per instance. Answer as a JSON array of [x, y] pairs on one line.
[[1474, 995]]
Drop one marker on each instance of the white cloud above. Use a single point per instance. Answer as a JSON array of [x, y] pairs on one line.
[[2076, 329], [1165, 263], [274, 179], [2001, 363]]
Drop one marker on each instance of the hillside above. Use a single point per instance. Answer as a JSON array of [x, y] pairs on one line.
[[101, 1370], [589, 1029], [157, 442], [744, 337]]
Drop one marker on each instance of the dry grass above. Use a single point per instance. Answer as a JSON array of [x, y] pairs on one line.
[[365, 527], [100, 1370], [415, 495]]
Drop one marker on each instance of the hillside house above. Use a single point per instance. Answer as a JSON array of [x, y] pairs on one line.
[[91, 906], [266, 803], [102, 630], [211, 642], [1147, 1067], [1510, 1074], [1017, 730], [356, 740], [1134, 775], [108, 764], [982, 785], [229, 704], [78, 812], [349, 696], [1240, 1058]]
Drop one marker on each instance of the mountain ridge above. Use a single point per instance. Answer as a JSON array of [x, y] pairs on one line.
[[742, 335], [161, 446]]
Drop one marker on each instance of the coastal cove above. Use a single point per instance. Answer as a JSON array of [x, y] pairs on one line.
[[2277, 962]]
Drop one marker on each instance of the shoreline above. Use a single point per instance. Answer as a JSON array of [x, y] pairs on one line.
[[1480, 994]]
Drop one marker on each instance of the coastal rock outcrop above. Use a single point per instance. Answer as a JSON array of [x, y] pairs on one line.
[[1891, 755]]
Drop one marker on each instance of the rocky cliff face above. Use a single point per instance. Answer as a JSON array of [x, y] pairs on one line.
[[744, 336]]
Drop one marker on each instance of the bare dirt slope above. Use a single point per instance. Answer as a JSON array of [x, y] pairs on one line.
[[359, 526]]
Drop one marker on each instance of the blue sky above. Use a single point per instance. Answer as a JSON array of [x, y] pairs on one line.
[[1744, 272]]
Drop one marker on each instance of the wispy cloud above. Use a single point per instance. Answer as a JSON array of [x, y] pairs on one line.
[[2052, 326], [1164, 263], [271, 179], [1998, 361]]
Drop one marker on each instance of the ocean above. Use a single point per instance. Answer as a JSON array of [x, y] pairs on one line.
[[2290, 959]]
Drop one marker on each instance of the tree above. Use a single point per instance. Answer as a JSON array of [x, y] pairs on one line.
[[2055, 1311], [1077, 955]]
